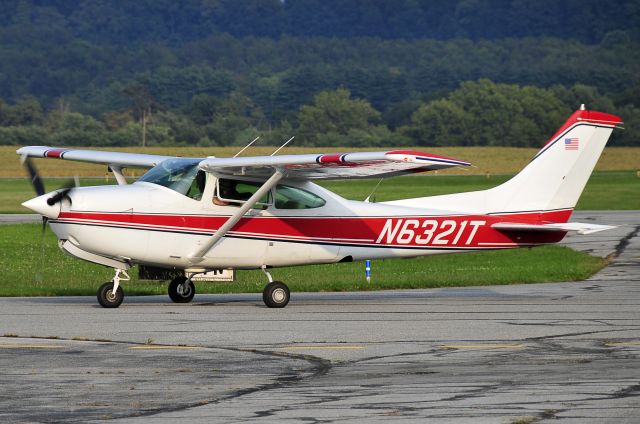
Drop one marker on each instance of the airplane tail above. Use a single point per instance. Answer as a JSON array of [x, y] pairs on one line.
[[550, 185]]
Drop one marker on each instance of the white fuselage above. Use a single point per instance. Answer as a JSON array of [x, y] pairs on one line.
[[153, 225], [148, 224]]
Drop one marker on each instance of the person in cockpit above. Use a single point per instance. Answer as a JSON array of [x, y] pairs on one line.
[[227, 191]]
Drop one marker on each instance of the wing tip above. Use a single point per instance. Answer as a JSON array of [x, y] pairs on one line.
[[430, 157]]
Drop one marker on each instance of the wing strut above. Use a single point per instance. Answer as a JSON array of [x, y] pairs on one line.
[[233, 219], [117, 172]]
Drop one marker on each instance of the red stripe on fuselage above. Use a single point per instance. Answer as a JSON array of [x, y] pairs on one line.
[[542, 217], [464, 231]]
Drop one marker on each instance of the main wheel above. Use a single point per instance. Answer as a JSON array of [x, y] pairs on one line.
[[181, 290], [107, 298], [276, 295]]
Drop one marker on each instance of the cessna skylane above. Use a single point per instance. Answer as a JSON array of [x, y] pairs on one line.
[[194, 215]]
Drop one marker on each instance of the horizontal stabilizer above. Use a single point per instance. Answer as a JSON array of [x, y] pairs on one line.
[[580, 227]]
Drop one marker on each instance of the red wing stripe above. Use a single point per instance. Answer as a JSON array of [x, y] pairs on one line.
[[335, 158], [55, 153]]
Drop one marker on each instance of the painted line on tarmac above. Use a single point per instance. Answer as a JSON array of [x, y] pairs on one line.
[[164, 347], [485, 346], [324, 347], [614, 344], [24, 346]]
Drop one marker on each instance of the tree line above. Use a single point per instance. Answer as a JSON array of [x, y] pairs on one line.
[[282, 75], [127, 22], [216, 72], [477, 113]]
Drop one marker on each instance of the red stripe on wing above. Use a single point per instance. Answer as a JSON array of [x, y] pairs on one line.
[[335, 158], [55, 153]]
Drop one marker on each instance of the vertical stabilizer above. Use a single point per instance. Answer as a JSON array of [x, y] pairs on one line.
[[552, 181]]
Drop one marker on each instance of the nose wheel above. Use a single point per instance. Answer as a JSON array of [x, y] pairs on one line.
[[108, 297], [181, 290], [110, 294]]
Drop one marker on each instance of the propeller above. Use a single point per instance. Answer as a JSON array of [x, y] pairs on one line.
[[61, 194], [36, 181], [38, 186], [40, 266]]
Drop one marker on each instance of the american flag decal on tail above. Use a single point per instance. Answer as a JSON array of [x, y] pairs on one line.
[[571, 144]]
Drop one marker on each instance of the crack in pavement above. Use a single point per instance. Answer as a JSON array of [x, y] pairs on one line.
[[115, 387]]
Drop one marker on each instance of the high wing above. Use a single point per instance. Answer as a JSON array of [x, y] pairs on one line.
[[332, 166], [306, 166], [119, 159]]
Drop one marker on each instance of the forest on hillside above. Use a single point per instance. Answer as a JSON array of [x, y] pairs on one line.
[[332, 73]]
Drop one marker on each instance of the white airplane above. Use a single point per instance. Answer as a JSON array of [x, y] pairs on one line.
[[201, 214]]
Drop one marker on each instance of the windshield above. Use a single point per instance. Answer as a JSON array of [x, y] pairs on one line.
[[176, 174]]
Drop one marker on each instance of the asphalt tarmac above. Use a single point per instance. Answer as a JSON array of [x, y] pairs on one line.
[[561, 352]]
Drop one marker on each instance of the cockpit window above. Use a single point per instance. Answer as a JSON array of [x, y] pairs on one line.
[[179, 175], [235, 192], [288, 197]]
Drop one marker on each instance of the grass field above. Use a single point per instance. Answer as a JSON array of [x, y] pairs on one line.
[[25, 264], [605, 190]]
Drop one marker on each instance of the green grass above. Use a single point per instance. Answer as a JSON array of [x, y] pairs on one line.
[[611, 190], [22, 260], [604, 191]]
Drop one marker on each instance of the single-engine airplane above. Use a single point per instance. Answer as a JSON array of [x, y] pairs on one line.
[[262, 212]]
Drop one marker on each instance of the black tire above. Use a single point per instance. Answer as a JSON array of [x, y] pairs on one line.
[[106, 297], [276, 295], [181, 291]]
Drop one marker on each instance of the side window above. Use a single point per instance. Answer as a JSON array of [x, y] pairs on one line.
[[235, 192], [197, 186], [288, 197]]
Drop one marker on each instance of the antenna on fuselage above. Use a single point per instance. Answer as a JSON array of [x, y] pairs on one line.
[[368, 199], [282, 147], [247, 146]]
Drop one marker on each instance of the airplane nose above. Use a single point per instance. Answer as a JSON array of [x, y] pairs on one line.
[[39, 205]]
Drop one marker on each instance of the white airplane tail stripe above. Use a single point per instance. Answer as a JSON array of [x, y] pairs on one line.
[[553, 180]]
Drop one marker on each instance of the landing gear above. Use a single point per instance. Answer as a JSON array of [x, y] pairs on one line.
[[275, 294], [181, 290], [108, 298], [110, 294]]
